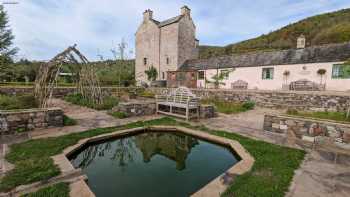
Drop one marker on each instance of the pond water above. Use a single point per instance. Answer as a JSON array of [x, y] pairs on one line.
[[152, 164]]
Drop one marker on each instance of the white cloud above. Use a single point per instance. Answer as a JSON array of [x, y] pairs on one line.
[[45, 27]]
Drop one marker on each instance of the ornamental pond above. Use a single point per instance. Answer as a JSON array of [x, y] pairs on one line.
[[152, 164]]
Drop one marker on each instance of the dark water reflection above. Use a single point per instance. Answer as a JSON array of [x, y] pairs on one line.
[[152, 164]]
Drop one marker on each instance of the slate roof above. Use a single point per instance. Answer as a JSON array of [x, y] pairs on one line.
[[315, 54], [168, 21]]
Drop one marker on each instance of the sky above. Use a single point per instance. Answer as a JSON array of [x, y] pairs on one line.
[[43, 28]]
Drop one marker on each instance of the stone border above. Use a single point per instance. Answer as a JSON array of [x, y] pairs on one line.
[[214, 188], [317, 131]]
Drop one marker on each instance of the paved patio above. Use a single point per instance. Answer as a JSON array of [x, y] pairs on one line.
[[324, 172]]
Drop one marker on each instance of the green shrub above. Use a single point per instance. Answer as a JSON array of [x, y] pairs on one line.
[[24, 101], [248, 105], [292, 111], [67, 121], [147, 94], [119, 114], [76, 98], [229, 107]]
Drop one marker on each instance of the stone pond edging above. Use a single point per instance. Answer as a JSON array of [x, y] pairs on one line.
[[309, 129], [215, 188], [18, 121]]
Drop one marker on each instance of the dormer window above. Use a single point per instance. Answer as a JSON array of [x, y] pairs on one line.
[[145, 61]]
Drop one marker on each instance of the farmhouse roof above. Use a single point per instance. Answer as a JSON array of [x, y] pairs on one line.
[[315, 54]]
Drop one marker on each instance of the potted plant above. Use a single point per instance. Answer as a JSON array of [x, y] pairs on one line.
[[321, 72], [286, 74]]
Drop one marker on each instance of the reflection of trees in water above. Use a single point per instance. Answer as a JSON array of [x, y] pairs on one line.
[[173, 146], [90, 152], [124, 152]]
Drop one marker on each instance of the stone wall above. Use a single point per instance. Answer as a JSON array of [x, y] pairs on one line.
[[13, 122], [334, 101], [309, 129], [136, 108]]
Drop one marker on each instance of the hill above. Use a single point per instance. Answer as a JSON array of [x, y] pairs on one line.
[[321, 29]]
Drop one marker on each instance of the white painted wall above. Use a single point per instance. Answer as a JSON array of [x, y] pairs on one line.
[[253, 75]]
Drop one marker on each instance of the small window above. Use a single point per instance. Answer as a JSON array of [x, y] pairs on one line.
[[341, 71], [145, 61], [267, 73], [201, 75], [167, 61], [225, 74], [180, 76], [193, 76], [163, 75]]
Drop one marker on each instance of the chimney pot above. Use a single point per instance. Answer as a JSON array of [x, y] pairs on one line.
[[148, 15], [185, 10]]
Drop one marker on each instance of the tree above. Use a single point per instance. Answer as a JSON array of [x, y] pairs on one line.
[[321, 72], [120, 56], [151, 73], [219, 77], [6, 39]]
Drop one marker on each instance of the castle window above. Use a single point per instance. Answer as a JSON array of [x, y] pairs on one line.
[[145, 61], [167, 60], [163, 75], [201, 75], [267, 73], [341, 71]]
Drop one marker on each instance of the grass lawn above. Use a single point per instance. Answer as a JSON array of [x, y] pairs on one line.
[[22, 101], [271, 174], [336, 116], [57, 190], [108, 102], [229, 107]]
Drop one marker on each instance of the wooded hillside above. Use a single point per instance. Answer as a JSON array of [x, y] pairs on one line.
[[326, 28]]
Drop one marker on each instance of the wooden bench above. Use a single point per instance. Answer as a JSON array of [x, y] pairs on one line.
[[239, 85], [181, 103], [306, 85]]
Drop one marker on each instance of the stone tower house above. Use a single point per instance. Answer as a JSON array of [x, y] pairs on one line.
[[165, 45]]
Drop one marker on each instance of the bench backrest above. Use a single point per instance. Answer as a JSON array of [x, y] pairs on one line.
[[239, 85]]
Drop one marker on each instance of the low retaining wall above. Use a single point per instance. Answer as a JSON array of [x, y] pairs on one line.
[[136, 108], [332, 101], [309, 129], [13, 122], [323, 100]]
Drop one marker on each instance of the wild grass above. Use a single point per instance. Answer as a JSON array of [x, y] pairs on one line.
[[271, 173], [23, 101], [230, 107], [108, 102], [57, 190], [335, 116]]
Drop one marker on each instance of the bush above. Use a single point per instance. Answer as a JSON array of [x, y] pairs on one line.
[[24, 101], [119, 114], [248, 105], [147, 94], [76, 98], [67, 121], [292, 111]]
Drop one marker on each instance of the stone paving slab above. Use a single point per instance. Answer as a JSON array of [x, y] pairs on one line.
[[325, 172]]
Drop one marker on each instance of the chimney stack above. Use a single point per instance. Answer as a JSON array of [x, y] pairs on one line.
[[185, 11], [301, 42], [147, 15]]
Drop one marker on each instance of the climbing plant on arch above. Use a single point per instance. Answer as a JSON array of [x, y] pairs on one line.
[[87, 83]]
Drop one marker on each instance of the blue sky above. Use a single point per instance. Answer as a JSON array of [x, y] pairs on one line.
[[45, 27]]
